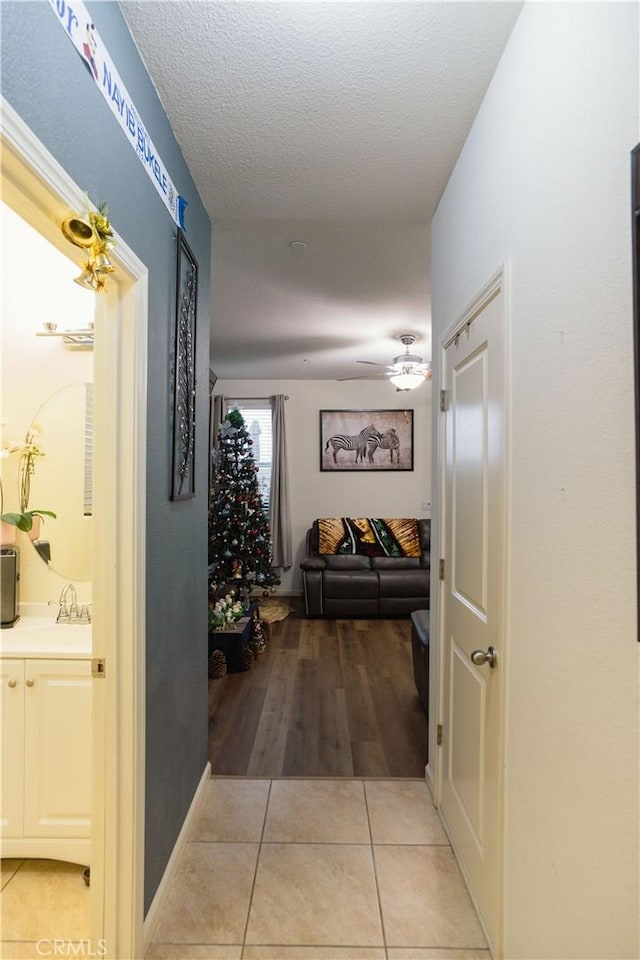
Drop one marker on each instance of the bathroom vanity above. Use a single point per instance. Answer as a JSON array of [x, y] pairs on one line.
[[45, 679]]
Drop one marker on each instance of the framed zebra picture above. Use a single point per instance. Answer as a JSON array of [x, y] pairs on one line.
[[366, 440]]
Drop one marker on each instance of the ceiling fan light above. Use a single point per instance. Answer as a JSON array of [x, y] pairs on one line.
[[407, 381], [408, 376]]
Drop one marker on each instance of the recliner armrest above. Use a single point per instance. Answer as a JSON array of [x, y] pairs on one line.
[[313, 563]]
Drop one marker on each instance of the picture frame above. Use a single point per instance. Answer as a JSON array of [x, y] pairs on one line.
[[184, 373], [366, 440]]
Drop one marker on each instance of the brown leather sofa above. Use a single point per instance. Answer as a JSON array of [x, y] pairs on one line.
[[359, 586]]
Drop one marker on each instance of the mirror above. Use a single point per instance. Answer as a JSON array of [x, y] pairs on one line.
[[62, 481]]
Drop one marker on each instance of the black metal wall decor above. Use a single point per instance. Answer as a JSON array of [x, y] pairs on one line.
[[635, 239], [184, 374]]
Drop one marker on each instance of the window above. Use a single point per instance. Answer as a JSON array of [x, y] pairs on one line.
[[257, 416]]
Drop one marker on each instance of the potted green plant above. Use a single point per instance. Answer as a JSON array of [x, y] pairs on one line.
[[28, 521]]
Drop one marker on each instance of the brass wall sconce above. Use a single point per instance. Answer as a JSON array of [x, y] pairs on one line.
[[92, 233]]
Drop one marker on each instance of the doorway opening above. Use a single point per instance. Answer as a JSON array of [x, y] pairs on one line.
[[37, 189]]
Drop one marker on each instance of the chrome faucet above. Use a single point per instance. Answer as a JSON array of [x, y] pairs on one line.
[[68, 609]]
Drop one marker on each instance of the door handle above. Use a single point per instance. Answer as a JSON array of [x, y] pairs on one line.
[[479, 657]]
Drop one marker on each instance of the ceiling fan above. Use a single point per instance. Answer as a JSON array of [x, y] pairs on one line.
[[406, 372]]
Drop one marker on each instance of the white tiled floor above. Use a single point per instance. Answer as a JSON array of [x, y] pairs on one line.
[[41, 900], [317, 870], [282, 870]]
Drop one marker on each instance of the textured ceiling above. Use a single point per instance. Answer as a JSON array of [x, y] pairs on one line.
[[334, 123]]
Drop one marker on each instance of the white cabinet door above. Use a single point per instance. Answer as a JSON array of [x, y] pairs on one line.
[[12, 711], [57, 748]]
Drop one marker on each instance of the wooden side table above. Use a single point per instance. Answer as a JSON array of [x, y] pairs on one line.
[[233, 640]]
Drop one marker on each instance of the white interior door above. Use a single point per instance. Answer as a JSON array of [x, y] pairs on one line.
[[472, 598]]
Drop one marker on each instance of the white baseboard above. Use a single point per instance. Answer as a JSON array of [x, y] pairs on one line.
[[155, 910], [428, 775]]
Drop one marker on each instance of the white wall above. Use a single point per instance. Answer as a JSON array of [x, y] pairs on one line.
[[315, 494], [543, 182], [37, 285]]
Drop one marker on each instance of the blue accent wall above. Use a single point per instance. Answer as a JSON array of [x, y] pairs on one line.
[[47, 83]]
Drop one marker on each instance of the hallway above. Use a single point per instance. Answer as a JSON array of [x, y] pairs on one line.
[[328, 698], [317, 870]]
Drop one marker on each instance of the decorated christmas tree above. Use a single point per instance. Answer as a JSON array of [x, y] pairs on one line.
[[239, 535]]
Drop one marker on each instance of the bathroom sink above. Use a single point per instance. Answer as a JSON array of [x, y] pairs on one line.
[[36, 635]]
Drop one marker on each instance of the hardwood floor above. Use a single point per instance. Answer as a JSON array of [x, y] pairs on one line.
[[329, 698]]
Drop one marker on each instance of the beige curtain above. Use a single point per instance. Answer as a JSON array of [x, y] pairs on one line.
[[218, 403], [279, 496], [216, 412]]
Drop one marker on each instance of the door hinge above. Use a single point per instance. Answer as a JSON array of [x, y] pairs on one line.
[[439, 735], [441, 569], [444, 401], [98, 668]]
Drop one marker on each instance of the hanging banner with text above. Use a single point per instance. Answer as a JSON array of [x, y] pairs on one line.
[[74, 18]]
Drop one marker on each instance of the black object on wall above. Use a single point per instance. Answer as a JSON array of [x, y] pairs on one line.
[[184, 373], [635, 214]]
